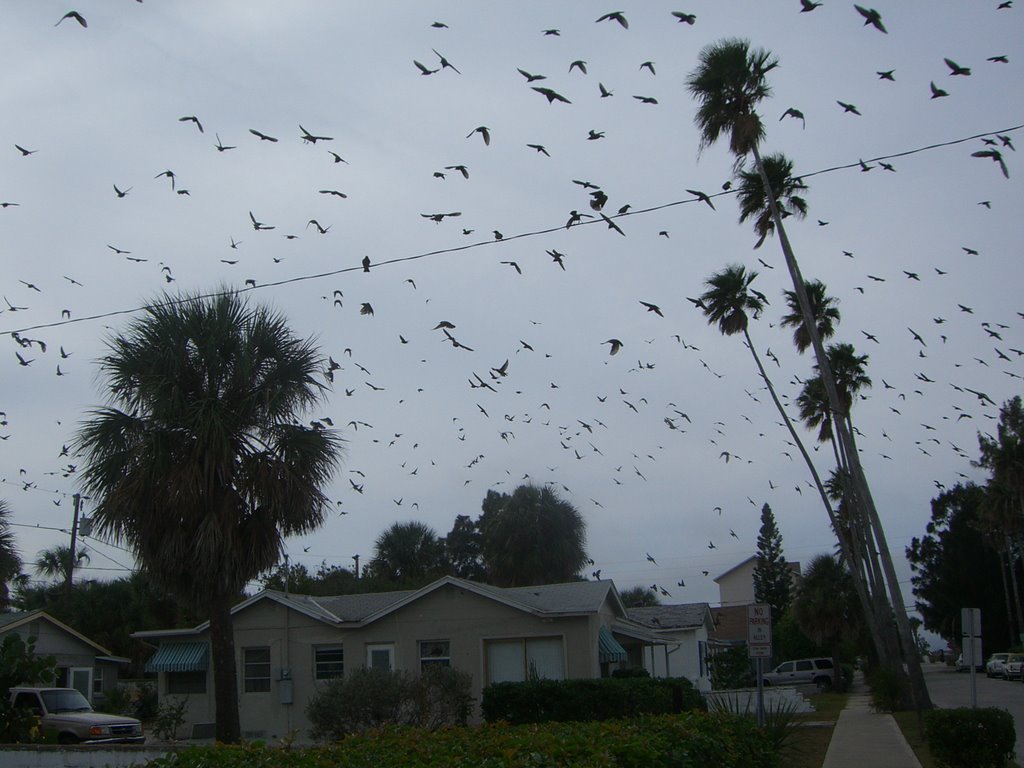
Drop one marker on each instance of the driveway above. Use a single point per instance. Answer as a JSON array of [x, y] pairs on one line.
[[949, 689]]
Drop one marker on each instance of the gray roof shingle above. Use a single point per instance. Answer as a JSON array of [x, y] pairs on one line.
[[670, 616]]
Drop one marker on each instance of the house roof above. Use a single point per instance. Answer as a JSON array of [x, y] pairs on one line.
[[683, 616], [572, 598], [12, 621]]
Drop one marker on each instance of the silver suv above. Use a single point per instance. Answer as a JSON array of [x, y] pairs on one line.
[[800, 671], [66, 713]]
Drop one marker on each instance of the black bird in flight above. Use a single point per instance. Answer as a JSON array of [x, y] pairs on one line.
[[73, 15], [937, 93], [605, 93], [220, 145], [996, 156], [121, 192], [791, 112], [580, 65], [551, 95], [445, 64], [191, 119], [615, 16], [886, 75], [338, 158], [872, 17], [484, 132], [956, 69], [616, 345], [310, 138], [702, 197], [807, 6], [424, 70], [685, 18], [530, 77], [539, 148], [25, 152], [262, 136], [848, 107]]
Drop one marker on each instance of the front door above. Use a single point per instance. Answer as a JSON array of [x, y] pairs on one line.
[[80, 678]]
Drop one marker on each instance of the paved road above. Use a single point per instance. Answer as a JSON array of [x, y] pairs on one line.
[[949, 688]]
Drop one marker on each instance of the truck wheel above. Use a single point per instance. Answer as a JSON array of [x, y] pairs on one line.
[[824, 684], [67, 738]]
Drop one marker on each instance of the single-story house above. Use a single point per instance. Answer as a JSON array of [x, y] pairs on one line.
[[288, 646], [81, 663], [685, 630]]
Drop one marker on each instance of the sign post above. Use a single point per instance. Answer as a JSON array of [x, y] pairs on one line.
[[970, 622], [759, 646]]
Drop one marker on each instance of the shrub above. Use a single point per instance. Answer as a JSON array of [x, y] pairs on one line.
[[374, 698], [970, 738], [887, 689], [689, 740], [731, 668], [169, 718], [542, 701], [781, 718], [19, 665]]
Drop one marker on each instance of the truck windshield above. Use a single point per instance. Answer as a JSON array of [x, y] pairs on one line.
[[65, 701]]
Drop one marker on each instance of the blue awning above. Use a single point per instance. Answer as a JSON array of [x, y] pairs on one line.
[[178, 657], [608, 647]]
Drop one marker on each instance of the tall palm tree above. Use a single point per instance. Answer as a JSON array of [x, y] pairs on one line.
[[55, 562], [823, 308], [753, 203], [727, 302], [201, 463], [10, 560], [729, 83], [407, 552], [531, 537]]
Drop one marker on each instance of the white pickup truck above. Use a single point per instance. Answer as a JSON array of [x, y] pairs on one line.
[[67, 714]]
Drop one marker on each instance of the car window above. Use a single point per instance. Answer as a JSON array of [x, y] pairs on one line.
[[27, 700], [803, 666], [786, 667], [65, 700], [824, 663]]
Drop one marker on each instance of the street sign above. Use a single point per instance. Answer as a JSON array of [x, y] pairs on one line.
[[759, 631]]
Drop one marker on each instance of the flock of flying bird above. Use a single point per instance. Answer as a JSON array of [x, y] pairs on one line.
[[581, 427]]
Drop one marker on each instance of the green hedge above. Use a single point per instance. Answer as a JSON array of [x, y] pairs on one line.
[[970, 738], [542, 701], [690, 740]]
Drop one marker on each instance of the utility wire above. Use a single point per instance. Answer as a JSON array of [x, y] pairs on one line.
[[483, 243]]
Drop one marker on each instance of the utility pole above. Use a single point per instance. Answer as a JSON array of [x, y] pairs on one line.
[[356, 558], [77, 499]]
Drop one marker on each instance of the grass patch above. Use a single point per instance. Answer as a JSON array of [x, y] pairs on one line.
[[807, 746]]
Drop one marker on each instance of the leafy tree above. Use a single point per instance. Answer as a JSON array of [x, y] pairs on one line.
[[639, 597], [772, 576], [463, 549], [954, 567], [729, 83], [10, 560], [826, 606], [202, 462], [408, 553], [19, 665], [531, 537]]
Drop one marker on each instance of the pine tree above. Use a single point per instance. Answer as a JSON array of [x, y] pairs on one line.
[[772, 577]]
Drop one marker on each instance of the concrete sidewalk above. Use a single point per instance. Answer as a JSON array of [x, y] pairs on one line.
[[864, 738]]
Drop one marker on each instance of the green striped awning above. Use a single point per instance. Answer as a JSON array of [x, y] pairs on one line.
[[608, 647], [178, 657]]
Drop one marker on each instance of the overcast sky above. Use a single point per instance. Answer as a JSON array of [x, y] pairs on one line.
[[100, 106]]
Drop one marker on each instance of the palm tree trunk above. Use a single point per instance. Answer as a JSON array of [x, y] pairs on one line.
[[1011, 560], [225, 678], [845, 544], [1011, 616], [918, 686]]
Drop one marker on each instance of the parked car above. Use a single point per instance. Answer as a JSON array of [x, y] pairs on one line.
[[996, 665], [962, 666], [67, 714], [801, 671], [1012, 666]]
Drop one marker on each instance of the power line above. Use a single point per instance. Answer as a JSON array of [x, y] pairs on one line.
[[455, 249]]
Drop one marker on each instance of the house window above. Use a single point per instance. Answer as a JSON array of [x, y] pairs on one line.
[[435, 653], [380, 656], [328, 662], [525, 659], [256, 670], [184, 683], [97, 681]]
